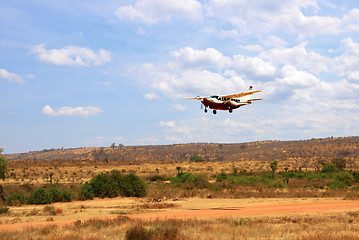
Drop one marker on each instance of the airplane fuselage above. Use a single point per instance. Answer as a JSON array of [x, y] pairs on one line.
[[217, 103]]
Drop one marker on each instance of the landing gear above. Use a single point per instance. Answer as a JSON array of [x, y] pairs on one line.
[[230, 110], [205, 110], [214, 111]]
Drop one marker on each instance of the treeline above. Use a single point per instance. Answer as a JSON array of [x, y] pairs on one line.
[[300, 151]]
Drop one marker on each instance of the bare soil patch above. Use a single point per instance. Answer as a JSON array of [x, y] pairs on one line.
[[20, 218]]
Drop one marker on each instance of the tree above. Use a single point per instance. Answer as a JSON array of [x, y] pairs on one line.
[[339, 163], [274, 167], [3, 173], [3, 166]]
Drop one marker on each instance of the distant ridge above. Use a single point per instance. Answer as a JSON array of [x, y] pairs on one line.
[[300, 150]]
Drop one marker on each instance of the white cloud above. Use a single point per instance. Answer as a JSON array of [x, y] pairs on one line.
[[192, 58], [252, 47], [180, 107], [298, 56], [348, 63], [118, 139], [151, 96], [155, 11], [169, 124], [71, 55], [11, 77], [252, 17], [254, 67], [71, 111]]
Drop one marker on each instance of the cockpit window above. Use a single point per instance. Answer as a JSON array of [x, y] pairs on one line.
[[214, 96]]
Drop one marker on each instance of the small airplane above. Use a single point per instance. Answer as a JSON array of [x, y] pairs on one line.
[[227, 102]]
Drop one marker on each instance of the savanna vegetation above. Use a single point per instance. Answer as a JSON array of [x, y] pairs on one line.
[[298, 169]]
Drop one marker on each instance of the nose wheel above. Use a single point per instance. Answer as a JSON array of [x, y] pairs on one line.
[[205, 110], [230, 110]]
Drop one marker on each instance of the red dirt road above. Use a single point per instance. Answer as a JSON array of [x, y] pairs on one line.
[[258, 210]]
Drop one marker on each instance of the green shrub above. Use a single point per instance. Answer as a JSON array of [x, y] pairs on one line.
[[345, 177], [16, 197], [55, 195], [221, 177], [251, 180], [4, 210], [133, 186], [329, 168], [66, 195], [112, 184], [86, 192], [104, 185], [40, 196], [196, 158], [356, 176], [191, 179], [276, 184], [336, 184], [311, 176]]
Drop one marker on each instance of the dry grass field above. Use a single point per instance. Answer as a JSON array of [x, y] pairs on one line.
[[248, 182], [85, 220]]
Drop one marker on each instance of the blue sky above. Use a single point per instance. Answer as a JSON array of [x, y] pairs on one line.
[[93, 73]]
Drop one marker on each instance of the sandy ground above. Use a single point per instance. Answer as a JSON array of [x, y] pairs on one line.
[[35, 216]]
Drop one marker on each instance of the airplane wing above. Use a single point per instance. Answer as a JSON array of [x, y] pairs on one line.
[[237, 95], [197, 98], [257, 99]]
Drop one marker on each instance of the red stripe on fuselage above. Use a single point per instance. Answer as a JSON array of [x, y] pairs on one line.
[[219, 106]]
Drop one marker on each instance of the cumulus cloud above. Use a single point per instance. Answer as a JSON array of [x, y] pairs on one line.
[[254, 67], [180, 107], [262, 16], [11, 77], [170, 124], [154, 11], [71, 111], [192, 58], [71, 55], [151, 96]]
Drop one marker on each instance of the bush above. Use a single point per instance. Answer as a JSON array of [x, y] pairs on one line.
[[336, 184], [66, 195], [191, 179], [196, 158], [356, 176], [113, 184], [86, 192], [104, 185], [138, 232], [4, 210], [133, 186], [21, 198], [276, 184], [221, 177], [329, 168], [40, 196], [55, 195], [345, 177], [246, 179]]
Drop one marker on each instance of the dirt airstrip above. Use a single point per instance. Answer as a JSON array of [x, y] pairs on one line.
[[20, 217]]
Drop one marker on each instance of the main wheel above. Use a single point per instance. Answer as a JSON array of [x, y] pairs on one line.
[[214, 111], [230, 110]]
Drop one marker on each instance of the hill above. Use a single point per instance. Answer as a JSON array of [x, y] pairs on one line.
[[303, 153]]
